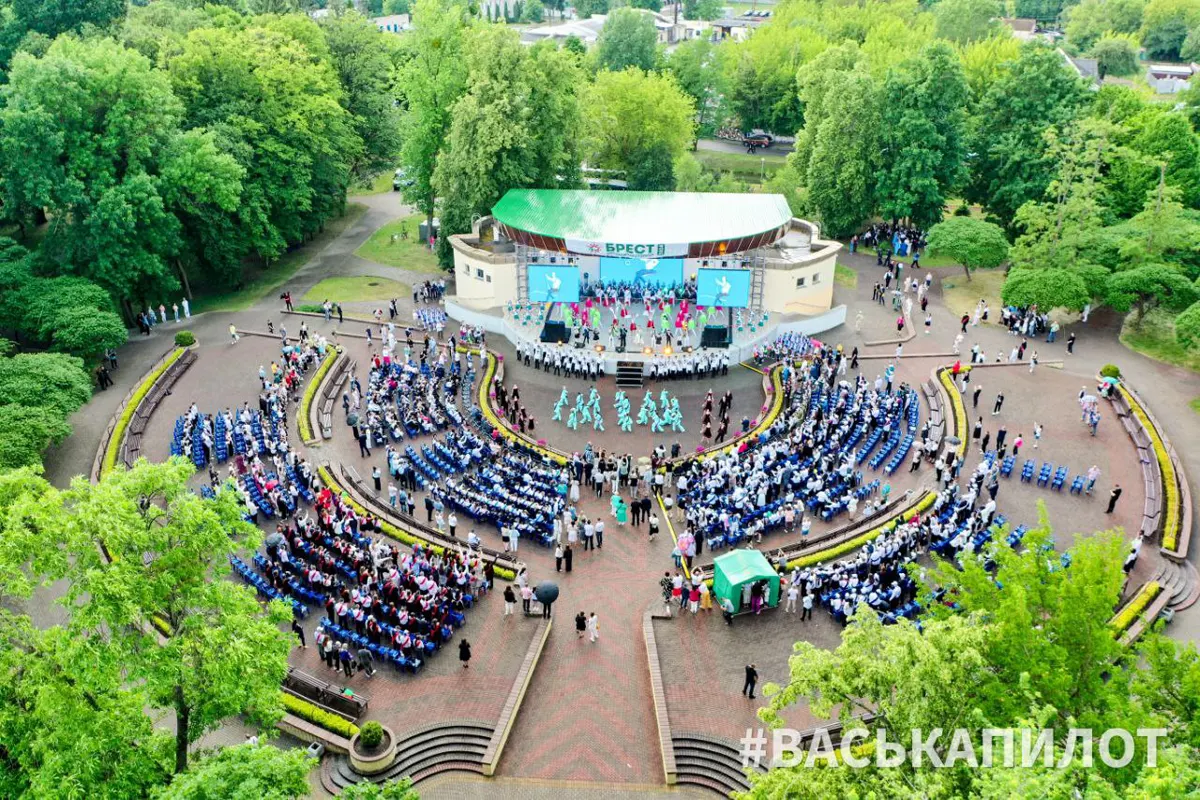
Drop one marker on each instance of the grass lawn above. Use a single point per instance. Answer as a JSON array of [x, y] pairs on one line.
[[1195, 404], [844, 276], [962, 296], [1156, 338], [263, 282], [745, 167], [407, 253], [356, 289], [381, 184]]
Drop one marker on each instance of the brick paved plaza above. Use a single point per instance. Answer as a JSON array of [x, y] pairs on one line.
[[588, 717]]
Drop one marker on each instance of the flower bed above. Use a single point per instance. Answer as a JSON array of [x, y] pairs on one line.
[[1171, 515], [310, 391], [391, 531], [139, 394], [1125, 618], [957, 409], [318, 716]]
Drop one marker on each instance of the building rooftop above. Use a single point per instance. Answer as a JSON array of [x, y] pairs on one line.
[[645, 217]]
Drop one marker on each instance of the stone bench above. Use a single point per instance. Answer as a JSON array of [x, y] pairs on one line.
[[326, 426]]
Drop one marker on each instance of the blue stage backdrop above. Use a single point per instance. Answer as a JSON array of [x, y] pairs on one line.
[[550, 283], [723, 287], [658, 271]]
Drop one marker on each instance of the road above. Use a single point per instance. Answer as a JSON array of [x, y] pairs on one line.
[[779, 149]]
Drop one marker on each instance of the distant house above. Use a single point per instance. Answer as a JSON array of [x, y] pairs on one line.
[[738, 28], [395, 23], [1022, 29], [588, 30], [1086, 68], [1171, 78]]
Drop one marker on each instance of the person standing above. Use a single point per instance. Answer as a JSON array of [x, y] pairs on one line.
[[751, 680], [1037, 434], [1071, 344], [580, 625], [999, 403], [807, 604], [366, 661], [558, 558], [510, 600], [975, 397], [377, 476], [792, 594], [568, 554], [187, 308], [1092, 475], [526, 597], [1113, 498], [233, 334], [464, 647], [593, 627], [299, 631]]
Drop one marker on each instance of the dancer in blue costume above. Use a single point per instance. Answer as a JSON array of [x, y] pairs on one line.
[[573, 419]]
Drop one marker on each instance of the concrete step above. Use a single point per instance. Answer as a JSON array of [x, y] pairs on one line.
[[1192, 585], [705, 782]]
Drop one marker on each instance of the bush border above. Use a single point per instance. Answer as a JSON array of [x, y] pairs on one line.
[[139, 394], [1172, 519], [317, 716], [1129, 613], [306, 400]]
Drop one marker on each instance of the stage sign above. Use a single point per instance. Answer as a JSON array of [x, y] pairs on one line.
[[655, 271], [625, 249], [723, 287], [549, 283]]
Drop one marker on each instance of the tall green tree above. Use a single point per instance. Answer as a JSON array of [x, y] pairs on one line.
[[923, 141], [432, 79], [64, 16], [1165, 26], [1089, 20], [244, 772], [696, 65], [632, 111], [971, 242], [1010, 165], [965, 21], [1046, 288], [628, 39]]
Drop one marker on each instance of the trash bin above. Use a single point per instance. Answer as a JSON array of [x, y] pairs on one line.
[[316, 750]]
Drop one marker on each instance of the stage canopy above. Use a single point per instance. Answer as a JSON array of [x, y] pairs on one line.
[[642, 224], [735, 572]]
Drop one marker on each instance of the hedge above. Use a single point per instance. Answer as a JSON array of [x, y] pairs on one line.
[[318, 716], [392, 531], [139, 394], [818, 556], [1125, 618], [185, 339], [306, 432], [1171, 519], [958, 410]]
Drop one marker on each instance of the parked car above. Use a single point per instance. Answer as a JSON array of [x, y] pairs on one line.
[[401, 180], [753, 141]]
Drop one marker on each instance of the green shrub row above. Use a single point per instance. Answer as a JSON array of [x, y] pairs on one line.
[[139, 394], [1125, 618], [318, 716], [310, 391]]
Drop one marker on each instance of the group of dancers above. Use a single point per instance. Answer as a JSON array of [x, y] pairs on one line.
[[587, 411]]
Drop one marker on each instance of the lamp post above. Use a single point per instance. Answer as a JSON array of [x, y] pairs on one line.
[[763, 174]]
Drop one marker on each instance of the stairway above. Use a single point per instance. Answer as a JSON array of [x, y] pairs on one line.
[[710, 763], [429, 751], [629, 374], [1181, 583]]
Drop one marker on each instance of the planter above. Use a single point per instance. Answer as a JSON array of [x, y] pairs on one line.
[[376, 761]]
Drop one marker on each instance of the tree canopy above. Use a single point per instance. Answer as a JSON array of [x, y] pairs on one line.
[[971, 242]]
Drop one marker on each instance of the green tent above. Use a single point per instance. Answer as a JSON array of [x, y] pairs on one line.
[[736, 572]]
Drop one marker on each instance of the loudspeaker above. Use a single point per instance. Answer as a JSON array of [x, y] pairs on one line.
[[715, 336], [555, 331]]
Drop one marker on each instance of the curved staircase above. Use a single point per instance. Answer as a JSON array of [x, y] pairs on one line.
[[1180, 582], [709, 762], [421, 754]]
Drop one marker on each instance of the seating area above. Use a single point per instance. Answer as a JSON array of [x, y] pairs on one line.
[[132, 447]]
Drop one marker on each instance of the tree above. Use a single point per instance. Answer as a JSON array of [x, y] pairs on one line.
[[632, 111], [1190, 51], [652, 170], [394, 789], [1041, 10], [1187, 326], [1115, 54], [86, 333], [1045, 288], [26, 431], [53, 18], [701, 9], [965, 21], [628, 39], [433, 78], [533, 11], [1010, 166], [1147, 287], [585, 9], [971, 242], [364, 58], [45, 380], [1165, 26], [244, 772], [698, 71], [1089, 20], [399, 7], [573, 44], [923, 142], [983, 62]]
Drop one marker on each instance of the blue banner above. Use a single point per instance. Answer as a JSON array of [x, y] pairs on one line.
[[723, 287], [553, 284]]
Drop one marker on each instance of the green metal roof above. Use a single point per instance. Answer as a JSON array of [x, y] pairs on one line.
[[613, 216], [740, 566]]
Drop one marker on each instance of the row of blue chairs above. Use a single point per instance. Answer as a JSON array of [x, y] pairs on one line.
[[265, 589], [388, 655]]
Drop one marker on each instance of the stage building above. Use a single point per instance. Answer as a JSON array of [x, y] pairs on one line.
[[744, 253]]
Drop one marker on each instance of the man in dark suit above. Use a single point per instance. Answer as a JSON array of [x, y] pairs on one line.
[[751, 680]]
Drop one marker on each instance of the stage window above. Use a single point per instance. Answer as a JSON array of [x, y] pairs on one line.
[[816, 277], [799, 283]]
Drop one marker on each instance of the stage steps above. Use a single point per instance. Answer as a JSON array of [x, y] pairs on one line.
[[629, 374]]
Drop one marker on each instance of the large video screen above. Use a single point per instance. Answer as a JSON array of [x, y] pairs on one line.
[[551, 283], [656, 271], [723, 287]]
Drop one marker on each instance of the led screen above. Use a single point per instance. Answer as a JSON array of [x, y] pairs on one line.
[[723, 287], [552, 283], [658, 271]]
